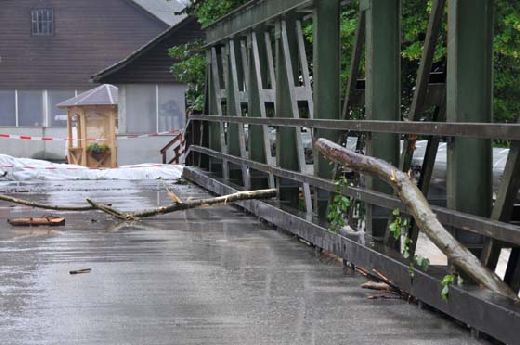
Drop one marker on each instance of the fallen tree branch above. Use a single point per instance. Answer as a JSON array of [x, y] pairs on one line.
[[109, 210], [417, 206], [224, 199], [179, 206], [44, 206]]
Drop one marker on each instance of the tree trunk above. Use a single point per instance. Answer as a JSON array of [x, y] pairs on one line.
[[418, 207]]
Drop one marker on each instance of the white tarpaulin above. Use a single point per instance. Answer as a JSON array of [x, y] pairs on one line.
[[22, 169]]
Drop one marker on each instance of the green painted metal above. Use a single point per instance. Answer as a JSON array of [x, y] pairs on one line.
[[249, 16], [286, 150], [286, 79], [469, 99], [259, 51], [382, 93], [423, 76], [503, 208], [429, 128], [232, 79], [326, 72], [257, 148], [212, 128]]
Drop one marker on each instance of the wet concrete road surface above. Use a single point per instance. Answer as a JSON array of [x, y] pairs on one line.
[[206, 276]]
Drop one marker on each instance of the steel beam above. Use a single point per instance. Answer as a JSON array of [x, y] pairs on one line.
[[498, 230], [249, 16], [326, 72], [474, 306], [286, 139], [441, 129], [213, 105], [470, 98], [383, 90]]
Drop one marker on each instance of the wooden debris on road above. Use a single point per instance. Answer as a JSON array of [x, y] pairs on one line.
[[83, 270], [178, 204], [380, 286], [37, 221]]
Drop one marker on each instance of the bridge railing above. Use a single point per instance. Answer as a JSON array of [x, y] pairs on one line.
[[270, 92]]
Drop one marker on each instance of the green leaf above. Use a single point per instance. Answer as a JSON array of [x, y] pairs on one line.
[[445, 292], [422, 262]]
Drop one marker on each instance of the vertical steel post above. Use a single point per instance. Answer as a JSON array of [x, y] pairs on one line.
[[470, 99], [326, 72], [258, 136], [286, 151], [236, 135], [382, 93], [212, 127]]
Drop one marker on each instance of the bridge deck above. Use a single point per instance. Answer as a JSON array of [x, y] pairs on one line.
[[207, 276]]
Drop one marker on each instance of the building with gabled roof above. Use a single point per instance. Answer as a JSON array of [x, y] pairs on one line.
[[49, 49]]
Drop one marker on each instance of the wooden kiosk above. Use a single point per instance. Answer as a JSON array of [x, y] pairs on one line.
[[91, 127]]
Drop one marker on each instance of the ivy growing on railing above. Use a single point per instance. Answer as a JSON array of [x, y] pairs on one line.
[[339, 206], [399, 228]]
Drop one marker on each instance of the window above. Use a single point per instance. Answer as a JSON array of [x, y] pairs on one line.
[[58, 116], [7, 108], [140, 108], [30, 108], [171, 106], [42, 21]]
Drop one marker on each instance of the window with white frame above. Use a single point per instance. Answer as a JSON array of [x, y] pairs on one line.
[[42, 22]]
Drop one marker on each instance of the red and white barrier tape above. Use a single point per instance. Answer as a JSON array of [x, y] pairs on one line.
[[122, 137], [77, 167]]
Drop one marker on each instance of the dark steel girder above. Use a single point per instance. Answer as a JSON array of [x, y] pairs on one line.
[[443, 129], [484, 226], [467, 303], [248, 16]]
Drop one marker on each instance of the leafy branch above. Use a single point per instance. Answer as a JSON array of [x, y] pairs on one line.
[[338, 208]]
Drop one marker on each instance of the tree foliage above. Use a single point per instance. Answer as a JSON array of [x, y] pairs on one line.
[[191, 65]]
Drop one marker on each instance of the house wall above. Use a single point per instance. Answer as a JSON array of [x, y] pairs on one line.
[[50, 150], [129, 151], [152, 63], [146, 108], [143, 109], [88, 36]]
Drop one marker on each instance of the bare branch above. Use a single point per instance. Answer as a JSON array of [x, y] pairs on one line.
[[178, 206], [44, 206], [419, 208]]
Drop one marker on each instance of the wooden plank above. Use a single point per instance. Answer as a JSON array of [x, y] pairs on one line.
[[37, 221]]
